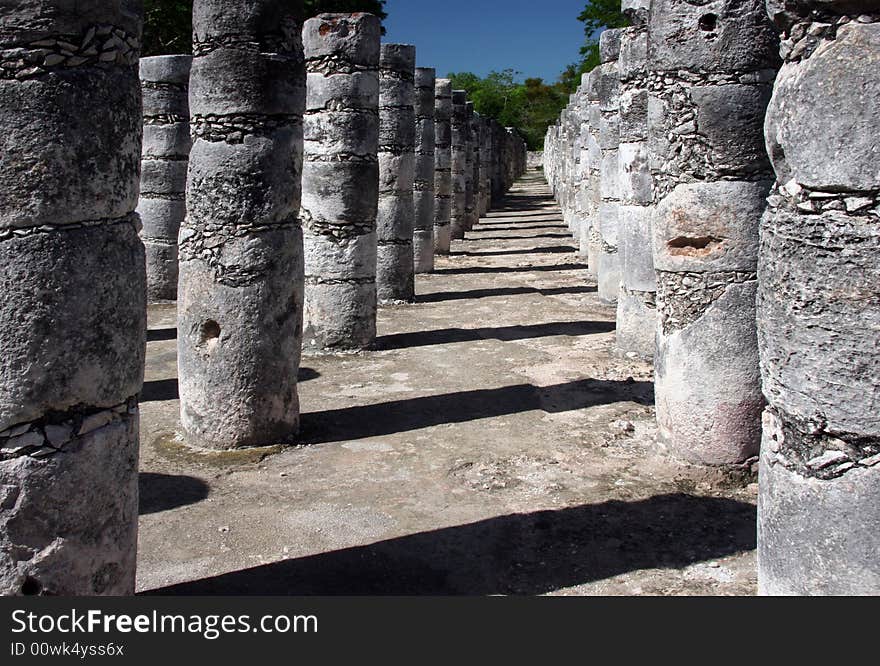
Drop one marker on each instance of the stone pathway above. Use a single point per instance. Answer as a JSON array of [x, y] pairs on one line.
[[494, 443]]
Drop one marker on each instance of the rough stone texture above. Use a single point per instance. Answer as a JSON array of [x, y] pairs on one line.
[[819, 309], [424, 182], [710, 68], [636, 312], [241, 267], [395, 274], [73, 310], [608, 136], [471, 169], [166, 146], [460, 142], [341, 180], [442, 166]]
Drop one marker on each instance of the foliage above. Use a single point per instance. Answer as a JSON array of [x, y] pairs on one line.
[[530, 106], [168, 23]]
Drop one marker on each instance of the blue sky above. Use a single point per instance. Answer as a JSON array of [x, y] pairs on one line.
[[535, 37]]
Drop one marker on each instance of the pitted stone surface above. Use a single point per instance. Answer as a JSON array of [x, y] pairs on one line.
[[341, 180], [395, 270], [424, 181], [443, 165], [240, 303], [73, 310]]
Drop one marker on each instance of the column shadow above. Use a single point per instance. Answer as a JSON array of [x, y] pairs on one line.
[[444, 336], [396, 416], [501, 291], [161, 492], [550, 249], [471, 270], [516, 554]]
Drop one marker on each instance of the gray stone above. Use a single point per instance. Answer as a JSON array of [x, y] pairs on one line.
[[424, 181], [442, 165], [460, 159], [395, 272], [240, 304], [341, 180], [73, 306]]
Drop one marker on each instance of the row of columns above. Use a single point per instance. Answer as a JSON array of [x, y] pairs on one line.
[[291, 176], [757, 300]]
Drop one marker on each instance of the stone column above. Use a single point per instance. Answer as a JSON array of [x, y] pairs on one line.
[[73, 303], [460, 134], [582, 199], [472, 162], [423, 187], [593, 238], [485, 167], [442, 165], [395, 274], [341, 180], [498, 190], [819, 307], [637, 300], [608, 267], [712, 68], [162, 203], [241, 259]]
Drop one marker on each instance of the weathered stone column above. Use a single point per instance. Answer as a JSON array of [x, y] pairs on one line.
[[162, 203], [460, 136], [395, 274], [498, 190], [712, 68], [442, 165], [472, 166], [593, 238], [637, 300], [485, 167], [73, 303], [423, 185], [241, 264], [819, 307], [582, 198], [608, 267], [341, 180]]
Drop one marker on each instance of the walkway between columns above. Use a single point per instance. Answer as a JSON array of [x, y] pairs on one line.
[[493, 443]]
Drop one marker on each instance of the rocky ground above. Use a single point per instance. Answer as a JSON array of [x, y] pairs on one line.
[[493, 443]]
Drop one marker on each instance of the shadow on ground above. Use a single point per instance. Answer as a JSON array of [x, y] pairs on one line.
[[443, 336], [529, 553], [161, 492], [500, 291], [386, 418]]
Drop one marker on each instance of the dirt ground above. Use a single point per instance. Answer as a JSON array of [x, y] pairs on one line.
[[493, 443]]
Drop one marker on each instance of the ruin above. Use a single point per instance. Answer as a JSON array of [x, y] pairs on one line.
[[442, 166], [637, 299], [341, 180], [166, 146], [818, 311], [240, 304], [599, 428], [73, 310], [395, 273], [460, 130], [424, 180]]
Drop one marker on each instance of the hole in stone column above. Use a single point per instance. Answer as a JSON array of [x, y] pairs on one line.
[[687, 246], [31, 587], [708, 22], [210, 332]]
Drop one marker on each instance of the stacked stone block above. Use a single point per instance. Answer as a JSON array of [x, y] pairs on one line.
[[166, 146], [442, 165], [608, 260], [485, 166], [637, 300], [471, 169], [73, 308], [241, 262], [593, 238], [460, 142], [424, 182], [819, 306], [395, 274], [711, 71], [341, 180]]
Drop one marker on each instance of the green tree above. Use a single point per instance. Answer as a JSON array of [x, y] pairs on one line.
[[168, 23]]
